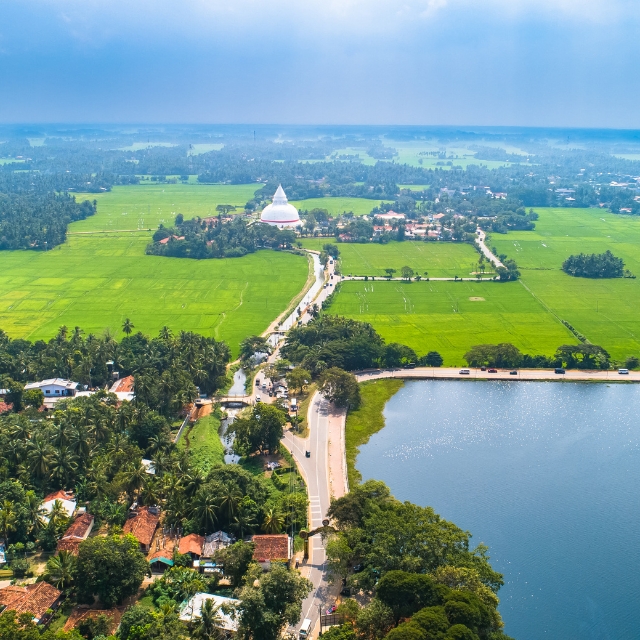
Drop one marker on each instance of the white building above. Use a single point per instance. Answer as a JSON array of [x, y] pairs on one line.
[[280, 213], [192, 608], [54, 387], [67, 500]]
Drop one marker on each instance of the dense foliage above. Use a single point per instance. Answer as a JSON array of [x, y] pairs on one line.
[[420, 567], [333, 341], [602, 265], [214, 238]]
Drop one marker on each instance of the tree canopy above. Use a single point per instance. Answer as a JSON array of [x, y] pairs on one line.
[[600, 265]]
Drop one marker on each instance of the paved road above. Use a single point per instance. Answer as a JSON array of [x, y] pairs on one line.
[[315, 471], [480, 241], [502, 374]]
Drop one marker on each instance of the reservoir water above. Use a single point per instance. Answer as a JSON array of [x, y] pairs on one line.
[[547, 475]]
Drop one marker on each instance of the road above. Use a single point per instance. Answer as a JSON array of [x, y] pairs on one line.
[[480, 241], [503, 374], [315, 471]]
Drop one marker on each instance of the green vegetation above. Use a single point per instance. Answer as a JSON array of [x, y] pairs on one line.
[[338, 206], [145, 206], [451, 317], [203, 443], [603, 265], [367, 420]]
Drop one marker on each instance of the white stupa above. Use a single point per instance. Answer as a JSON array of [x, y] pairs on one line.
[[280, 213]]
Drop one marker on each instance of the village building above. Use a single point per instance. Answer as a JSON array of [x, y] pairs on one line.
[[35, 599], [78, 531], [123, 388], [272, 548], [66, 499], [390, 216], [280, 213], [191, 545], [142, 524], [191, 610], [54, 389]]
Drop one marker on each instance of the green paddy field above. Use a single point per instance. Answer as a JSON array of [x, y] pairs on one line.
[[101, 275], [337, 206], [452, 316]]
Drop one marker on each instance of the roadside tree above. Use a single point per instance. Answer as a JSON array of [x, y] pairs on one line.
[[340, 387]]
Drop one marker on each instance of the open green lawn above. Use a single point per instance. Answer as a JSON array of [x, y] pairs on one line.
[[605, 311], [338, 206], [145, 206], [450, 317], [96, 280], [438, 259]]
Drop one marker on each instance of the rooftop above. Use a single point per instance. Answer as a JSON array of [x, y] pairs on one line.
[[272, 547], [35, 599], [192, 543], [58, 382], [124, 384], [142, 525], [192, 608]]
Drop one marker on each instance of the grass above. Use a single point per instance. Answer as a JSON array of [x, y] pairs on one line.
[[203, 442], [439, 259], [450, 317], [95, 281], [367, 420], [605, 311], [338, 206], [145, 206]]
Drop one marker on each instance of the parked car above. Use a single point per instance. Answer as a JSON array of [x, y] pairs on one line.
[[623, 372], [559, 370], [513, 373], [464, 372], [493, 371], [258, 399], [257, 382], [483, 368]]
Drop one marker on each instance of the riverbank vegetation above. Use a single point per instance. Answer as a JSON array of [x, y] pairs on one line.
[[366, 420], [426, 579]]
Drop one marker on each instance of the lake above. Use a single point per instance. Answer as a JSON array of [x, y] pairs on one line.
[[547, 475]]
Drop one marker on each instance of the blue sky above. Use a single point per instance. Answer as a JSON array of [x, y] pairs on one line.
[[485, 62]]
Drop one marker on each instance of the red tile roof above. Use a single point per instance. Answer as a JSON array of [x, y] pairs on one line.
[[76, 533], [59, 495], [271, 547], [34, 598], [123, 385], [192, 543], [142, 525]]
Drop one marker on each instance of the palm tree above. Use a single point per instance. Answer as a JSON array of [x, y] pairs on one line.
[[203, 509], [229, 501], [63, 465], [273, 521], [209, 624], [134, 479], [165, 334], [35, 512], [128, 326], [60, 569], [8, 519], [39, 456], [57, 515]]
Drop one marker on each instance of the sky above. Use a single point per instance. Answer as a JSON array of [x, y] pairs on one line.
[[565, 63]]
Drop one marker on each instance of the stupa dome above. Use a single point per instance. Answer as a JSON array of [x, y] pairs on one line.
[[280, 213]]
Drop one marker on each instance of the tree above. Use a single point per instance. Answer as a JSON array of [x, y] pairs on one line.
[[273, 520], [432, 359], [8, 519], [111, 568], [298, 378], [225, 208], [208, 626], [128, 326], [374, 621], [396, 355], [581, 356], [405, 593], [407, 273], [235, 561], [33, 398], [494, 355], [60, 570], [261, 431], [340, 387], [270, 601], [389, 273], [252, 345], [603, 265], [340, 558]]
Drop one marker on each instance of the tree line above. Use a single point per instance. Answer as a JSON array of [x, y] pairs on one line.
[[600, 265]]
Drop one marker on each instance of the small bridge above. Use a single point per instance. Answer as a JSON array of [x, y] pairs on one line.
[[243, 400]]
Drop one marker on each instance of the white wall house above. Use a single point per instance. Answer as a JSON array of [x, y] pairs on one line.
[[54, 387]]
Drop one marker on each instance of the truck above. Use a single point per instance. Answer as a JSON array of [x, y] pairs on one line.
[[305, 629], [294, 404]]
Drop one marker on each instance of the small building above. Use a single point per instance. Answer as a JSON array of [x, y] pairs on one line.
[[160, 561], [142, 523], [214, 542], [36, 599], [124, 388], [191, 545], [272, 548], [54, 387], [66, 498], [78, 531], [390, 216], [191, 610]]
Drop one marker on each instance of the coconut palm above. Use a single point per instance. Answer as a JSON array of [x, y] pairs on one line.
[[60, 570], [209, 625], [273, 521], [229, 500], [8, 519], [57, 516], [35, 513], [39, 456], [128, 326], [64, 465], [204, 509]]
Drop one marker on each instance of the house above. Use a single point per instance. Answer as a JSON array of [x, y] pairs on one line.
[[36, 599], [438, 216], [54, 387], [160, 560], [67, 499], [192, 608], [78, 531], [191, 545], [142, 523], [214, 542], [272, 548], [123, 388], [390, 216]]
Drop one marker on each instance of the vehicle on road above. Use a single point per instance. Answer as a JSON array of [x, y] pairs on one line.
[[513, 373], [623, 372], [492, 371], [464, 372], [257, 382], [258, 399], [483, 368], [307, 454], [305, 629], [559, 370], [294, 404]]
